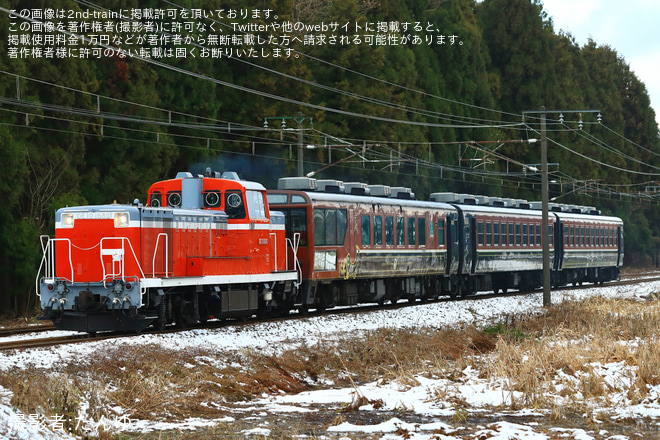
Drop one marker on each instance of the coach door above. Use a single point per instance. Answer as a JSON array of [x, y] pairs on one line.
[[619, 232], [561, 232], [471, 245], [452, 244]]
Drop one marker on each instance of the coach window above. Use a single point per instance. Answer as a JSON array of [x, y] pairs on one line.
[[551, 233], [572, 236], [411, 231], [330, 226], [441, 232], [489, 234], [421, 230], [503, 233], [295, 198], [511, 235], [277, 199], [480, 233], [518, 234], [378, 230], [366, 232], [389, 231], [319, 227], [496, 234], [400, 231], [524, 234], [296, 222]]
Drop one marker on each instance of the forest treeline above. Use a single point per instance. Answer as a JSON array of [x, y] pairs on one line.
[[399, 111]]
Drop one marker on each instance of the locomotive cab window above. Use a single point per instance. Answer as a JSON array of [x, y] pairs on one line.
[[174, 199], [212, 199], [234, 204], [256, 205], [155, 201]]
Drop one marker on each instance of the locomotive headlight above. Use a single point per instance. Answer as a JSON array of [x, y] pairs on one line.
[[121, 219], [67, 220]]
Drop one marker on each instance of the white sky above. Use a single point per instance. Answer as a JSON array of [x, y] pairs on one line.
[[630, 27]]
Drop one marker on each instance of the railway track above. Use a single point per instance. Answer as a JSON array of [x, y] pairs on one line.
[[5, 332], [82, 337]]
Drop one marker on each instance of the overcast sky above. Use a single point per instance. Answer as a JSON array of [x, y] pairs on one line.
[[631, 27]]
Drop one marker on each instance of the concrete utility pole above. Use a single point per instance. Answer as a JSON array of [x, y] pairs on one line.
[[300, 119], [545, 197]]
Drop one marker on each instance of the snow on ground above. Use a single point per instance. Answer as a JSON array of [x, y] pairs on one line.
[[281, 335]]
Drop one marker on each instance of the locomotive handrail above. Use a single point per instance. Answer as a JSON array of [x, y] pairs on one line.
[[48, 260], [118, 257], [167, 260], [274, 235]]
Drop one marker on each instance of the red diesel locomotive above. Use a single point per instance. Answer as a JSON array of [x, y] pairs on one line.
[[205, 246]]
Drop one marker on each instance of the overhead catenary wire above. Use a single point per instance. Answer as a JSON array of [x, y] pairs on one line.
[[470, 126]]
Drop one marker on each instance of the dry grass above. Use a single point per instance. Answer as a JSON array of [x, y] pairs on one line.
[[549, 362], [559, 369]]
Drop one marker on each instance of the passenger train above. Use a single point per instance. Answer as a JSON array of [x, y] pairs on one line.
[[214, 246]]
